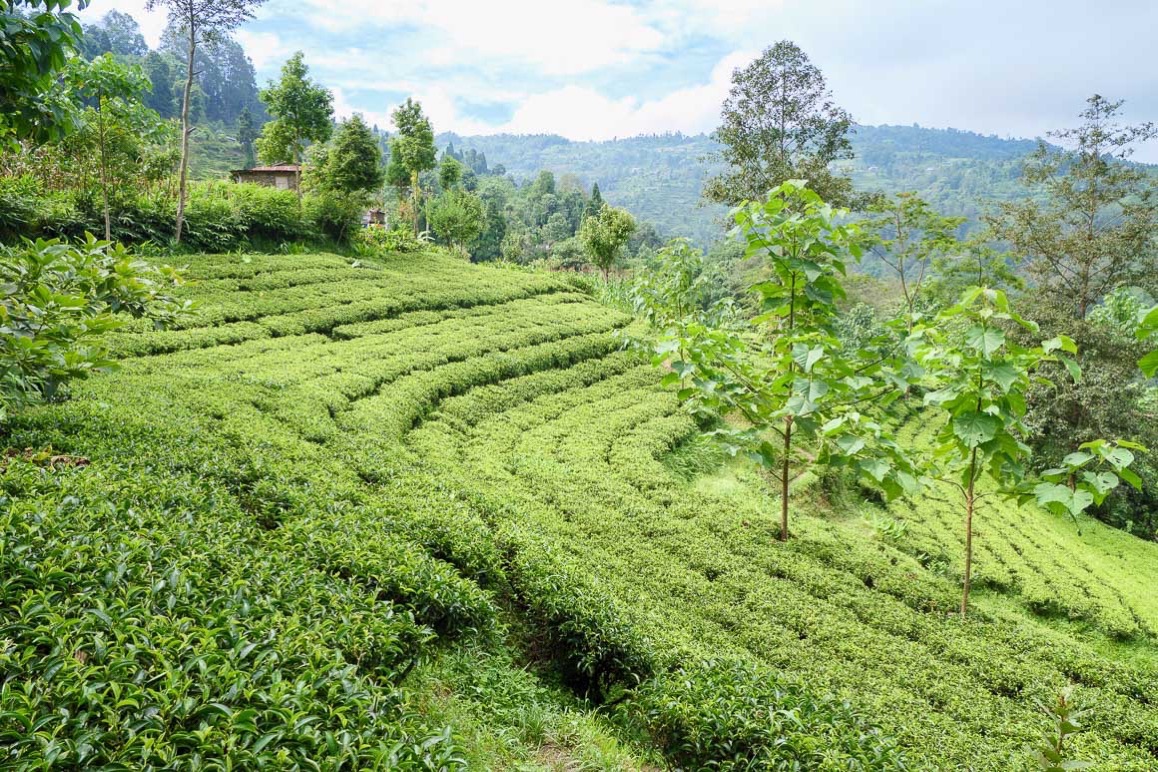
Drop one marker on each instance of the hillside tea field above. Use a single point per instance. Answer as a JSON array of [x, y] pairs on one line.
[[348, 515]]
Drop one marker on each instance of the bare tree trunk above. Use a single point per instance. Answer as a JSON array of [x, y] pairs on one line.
[[785, 469], [414, 199], [104, 167], [299, 159], [185, 130], [970, 501]]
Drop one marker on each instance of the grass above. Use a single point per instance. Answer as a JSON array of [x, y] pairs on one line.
[[427, 515]]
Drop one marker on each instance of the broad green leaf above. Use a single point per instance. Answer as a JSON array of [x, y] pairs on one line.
[[1077, 459], [1061, 342], [940, 396], [1130, 477], [1074, 369], [1049, 494], [1131, 445], [975, 428], [849, 444], [875, 468], [987, 340], [807, 357], [1149, 364], [1149, 323], [1120, 458], [1003, 374]]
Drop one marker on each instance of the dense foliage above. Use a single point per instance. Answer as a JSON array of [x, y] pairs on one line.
[[779, 123], [36, 38], [58, 300]]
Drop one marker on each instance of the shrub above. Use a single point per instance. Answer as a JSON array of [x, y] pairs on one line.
[[735, 716], [336, 216], [265, 214], [57, 299], [379, 239], [19, 197]]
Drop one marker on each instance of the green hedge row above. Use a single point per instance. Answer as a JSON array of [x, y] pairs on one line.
[[478, 439], [219, 216]]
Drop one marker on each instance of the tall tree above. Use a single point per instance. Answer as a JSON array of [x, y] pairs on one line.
[[980, 379], [352, 161], [302, 113], [907, 235], [246, 134], [161, 97], [779, 123], [36, 38], [411, 153], [200, 21], [595, 203], [449, 173], [1091, 226], [116, 33]]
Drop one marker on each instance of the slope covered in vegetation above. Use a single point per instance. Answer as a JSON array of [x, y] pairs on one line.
[[346, 511]]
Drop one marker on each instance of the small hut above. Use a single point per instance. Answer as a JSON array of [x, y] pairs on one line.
[[280, 176]]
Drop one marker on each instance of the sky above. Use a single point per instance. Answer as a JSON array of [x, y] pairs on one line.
[[596, 69]]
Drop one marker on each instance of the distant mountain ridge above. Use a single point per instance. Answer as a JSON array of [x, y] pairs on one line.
[[659, 177]]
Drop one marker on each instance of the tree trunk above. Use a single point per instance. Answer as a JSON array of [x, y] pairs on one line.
[[785, 468], [104, 168], [970, 502], [299, 157], [185, 130], [414, 199]]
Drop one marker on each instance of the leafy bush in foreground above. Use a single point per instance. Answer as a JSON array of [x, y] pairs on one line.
[[355, 464], [57, 299], [734, 716]]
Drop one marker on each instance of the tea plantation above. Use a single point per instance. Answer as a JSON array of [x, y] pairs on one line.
[[417, 514]]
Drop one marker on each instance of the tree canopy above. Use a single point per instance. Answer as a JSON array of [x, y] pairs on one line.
[[779, 123]]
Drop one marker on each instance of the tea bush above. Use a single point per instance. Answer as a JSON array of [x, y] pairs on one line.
[[360, 467]]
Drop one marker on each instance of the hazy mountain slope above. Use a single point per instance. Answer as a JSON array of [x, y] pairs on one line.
[[659, 177]]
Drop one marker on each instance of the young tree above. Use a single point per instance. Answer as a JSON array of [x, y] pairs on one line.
[[352, 162], [411, 153], [302, 113], [457, 216], [58, 301], [779, 123], [604, 235], [982, 379], [36, 38], [976, 262], [201, 21], [246, 135], [907, 236], [160, 97], [449, 173], [784, 373], [114, 89], [1091, 229]]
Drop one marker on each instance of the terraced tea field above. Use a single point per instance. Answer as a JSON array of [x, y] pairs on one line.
[[348, 511]]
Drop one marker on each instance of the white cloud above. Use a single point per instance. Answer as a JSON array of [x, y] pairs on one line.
[[582, 113], [569, 38], [152, 22], [437, 104], [265, 49]]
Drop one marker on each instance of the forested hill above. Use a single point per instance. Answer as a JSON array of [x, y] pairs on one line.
[[659, 177]]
